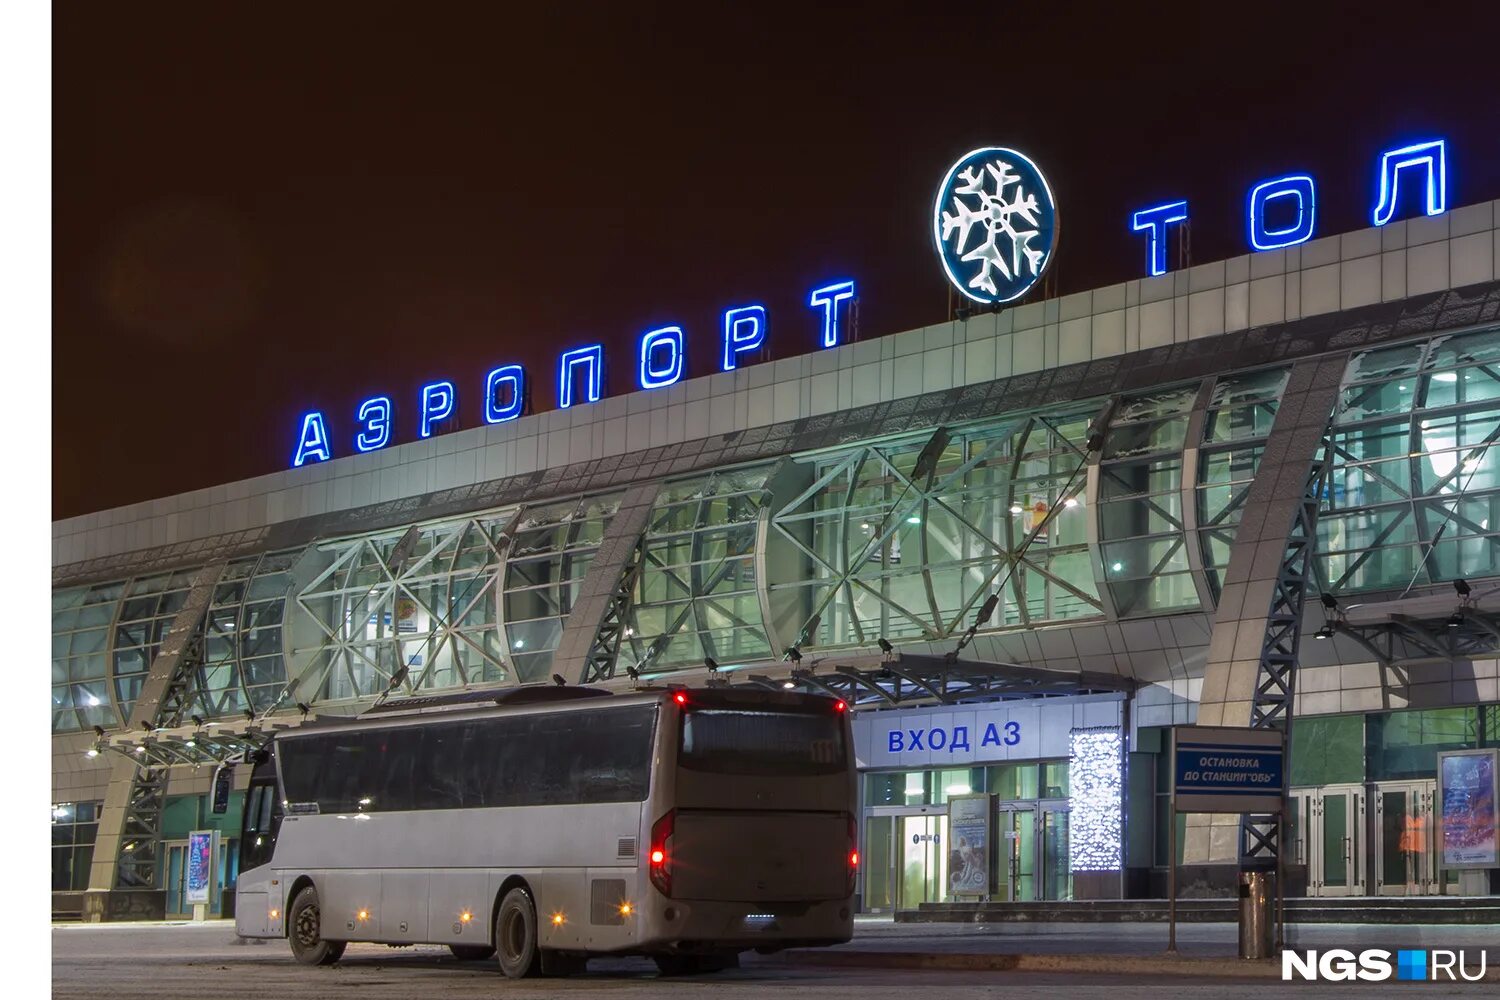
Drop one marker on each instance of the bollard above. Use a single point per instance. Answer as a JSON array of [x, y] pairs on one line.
[[1255, 914]]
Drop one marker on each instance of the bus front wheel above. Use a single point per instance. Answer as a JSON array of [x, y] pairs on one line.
[[515, 935], [306, 932]]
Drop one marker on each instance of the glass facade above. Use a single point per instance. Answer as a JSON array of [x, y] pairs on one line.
[[74, 826], [1414, 491], [1235, 427], [905, 539], [696, 595], [81, 620], [1143, 538]]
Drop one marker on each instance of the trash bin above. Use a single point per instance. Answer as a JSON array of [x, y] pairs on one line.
[[1255, 913]]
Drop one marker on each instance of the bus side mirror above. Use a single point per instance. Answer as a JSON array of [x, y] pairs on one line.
[[223, 785]]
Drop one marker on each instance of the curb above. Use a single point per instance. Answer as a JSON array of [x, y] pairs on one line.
[[980, 962]]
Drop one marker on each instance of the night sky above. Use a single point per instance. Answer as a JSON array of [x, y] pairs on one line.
[[262, 209]]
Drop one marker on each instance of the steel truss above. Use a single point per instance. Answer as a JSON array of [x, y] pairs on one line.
[[1271, 706], [900, 680]]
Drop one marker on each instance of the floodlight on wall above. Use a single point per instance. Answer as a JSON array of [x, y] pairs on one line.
[[884, 644], [712, 664], [1462, 587], [559, 680], [1330, 603]]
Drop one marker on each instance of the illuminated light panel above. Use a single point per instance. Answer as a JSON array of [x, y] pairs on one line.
[[1431, 155], [375, 421], [666, 340], [744, 330], [1001, 195], [1155, 220], [438, 400], [313, 442], [828, 298], [591, 356], [1094, 780], [506, 375], [1299, 186]]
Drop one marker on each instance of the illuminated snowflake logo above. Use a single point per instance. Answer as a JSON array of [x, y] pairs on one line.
[[995, 224]]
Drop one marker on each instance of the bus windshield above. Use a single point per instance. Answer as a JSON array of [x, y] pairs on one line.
[[765, 743]]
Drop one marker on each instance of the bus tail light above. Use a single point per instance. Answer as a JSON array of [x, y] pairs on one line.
[[659, 859], [853, 851]]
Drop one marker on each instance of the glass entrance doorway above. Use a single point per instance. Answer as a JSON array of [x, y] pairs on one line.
[[178, 907], [1403, 839], [923, 850], [1033, 840], [1326, 827]]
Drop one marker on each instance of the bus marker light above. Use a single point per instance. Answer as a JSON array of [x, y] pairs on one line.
[[363, 914], [626, 909], [840, 706], [275, 914], [466, 916], [558, 920], [853, 859], [680, 698]]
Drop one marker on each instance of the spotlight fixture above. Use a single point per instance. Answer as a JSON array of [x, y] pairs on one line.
[[1456, 619], [1462, 586], [712, 664], [559, 680], [794, 654], [249, 715], [303, 707], [632, 673], [1323, 633], [197, 720], [99, 731], [884, 644], [1329, 601]]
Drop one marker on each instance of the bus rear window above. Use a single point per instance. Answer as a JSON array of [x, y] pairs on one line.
[[735, 741]]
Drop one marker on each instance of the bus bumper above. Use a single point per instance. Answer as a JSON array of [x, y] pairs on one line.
[[692, 926]]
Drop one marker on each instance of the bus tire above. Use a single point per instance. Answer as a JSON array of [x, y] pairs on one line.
[[305, 930], [471, 952], [515, 935]]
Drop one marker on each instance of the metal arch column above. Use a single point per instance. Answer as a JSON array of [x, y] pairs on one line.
[[590, 640], [1250, 678], [125, 873]]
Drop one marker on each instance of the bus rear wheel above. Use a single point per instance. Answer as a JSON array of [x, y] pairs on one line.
[[515, 935], [306, 932], [471, 952]]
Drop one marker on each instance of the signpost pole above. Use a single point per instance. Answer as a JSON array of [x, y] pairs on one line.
[[1172, 857]]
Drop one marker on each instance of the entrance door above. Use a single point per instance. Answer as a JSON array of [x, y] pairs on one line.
[[924, 860], [1015, 874], [176, 875], [1403, 838], [1057, 873], [1326, 831], [880, 864]]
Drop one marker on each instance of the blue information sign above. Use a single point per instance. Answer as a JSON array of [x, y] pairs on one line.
[[1219, 769]]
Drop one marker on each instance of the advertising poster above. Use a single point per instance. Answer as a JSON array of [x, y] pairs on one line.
[[968, 845], [1466, 781], [200, 865]]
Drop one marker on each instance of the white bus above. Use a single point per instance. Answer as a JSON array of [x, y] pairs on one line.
[[551, 824]]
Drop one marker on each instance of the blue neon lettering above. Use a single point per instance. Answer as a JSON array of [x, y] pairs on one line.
[[894, 741], [1155, 221], [937, 739], [1298, 186], [828, 298], [313, 441], [656, 345], [375, 421], [1012, 733], [1431, 157], [437, 404], [593, 357], [513, 376], [744, 330], [960, 739]]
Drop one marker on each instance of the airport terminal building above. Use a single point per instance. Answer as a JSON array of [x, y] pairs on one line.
[[1021, 543]]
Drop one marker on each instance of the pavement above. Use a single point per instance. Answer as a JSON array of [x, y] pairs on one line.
[[1117, 961]]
